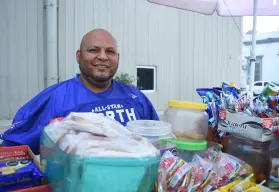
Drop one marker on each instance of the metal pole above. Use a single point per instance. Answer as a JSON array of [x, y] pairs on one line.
[[252, 56], [51, 39]]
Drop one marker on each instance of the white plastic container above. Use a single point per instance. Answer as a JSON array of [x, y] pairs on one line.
[[153, 130], [187, 119], [156, 132]]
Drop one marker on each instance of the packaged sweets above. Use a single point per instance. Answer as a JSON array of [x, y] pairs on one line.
[[19, 174]]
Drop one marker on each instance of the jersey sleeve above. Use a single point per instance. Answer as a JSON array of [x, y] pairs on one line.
[[152, 114], [29, 121], [149, 110]]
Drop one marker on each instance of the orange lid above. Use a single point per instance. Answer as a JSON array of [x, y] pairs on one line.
[[56, 119]]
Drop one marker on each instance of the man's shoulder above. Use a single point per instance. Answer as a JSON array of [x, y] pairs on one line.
[[51, 92], [50, 95], [128, 88], [58, 87]]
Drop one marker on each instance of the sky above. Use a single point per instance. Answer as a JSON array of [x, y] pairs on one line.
[[264, 23]]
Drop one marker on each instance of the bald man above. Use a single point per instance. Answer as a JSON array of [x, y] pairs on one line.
[[93, 90]]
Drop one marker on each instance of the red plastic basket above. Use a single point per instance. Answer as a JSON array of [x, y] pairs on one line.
[[41, 188]]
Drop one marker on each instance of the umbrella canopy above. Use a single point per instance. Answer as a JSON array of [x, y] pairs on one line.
[[225, 7], [230, 8]]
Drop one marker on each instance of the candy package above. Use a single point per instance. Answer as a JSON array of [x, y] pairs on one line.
[[244, 185], [14, 156], [19, 174], [212, 97], [202, 174]]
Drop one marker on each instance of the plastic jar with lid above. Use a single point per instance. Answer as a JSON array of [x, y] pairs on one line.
[[188, 119], [187, 148], [255, 153], [164, 145], [274, 173], [152, 130], [157, 132]]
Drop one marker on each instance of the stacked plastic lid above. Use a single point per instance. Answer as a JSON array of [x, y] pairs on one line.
[[149, 128]]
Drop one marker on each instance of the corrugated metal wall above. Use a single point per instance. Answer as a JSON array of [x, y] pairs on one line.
[[21, 53], [190, 50]]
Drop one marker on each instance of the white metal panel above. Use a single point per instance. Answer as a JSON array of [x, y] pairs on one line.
[[190, 50], [21, 53]]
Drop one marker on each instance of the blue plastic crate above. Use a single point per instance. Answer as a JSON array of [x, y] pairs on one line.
[[71, 173]]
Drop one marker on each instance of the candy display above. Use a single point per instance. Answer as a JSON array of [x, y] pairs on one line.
[[231, 112], [262, 106], [174, 155]]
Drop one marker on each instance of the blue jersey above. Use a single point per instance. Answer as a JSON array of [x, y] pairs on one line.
[[121, 102]]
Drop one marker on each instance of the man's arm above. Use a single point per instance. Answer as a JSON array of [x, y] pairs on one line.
[[28, 122]]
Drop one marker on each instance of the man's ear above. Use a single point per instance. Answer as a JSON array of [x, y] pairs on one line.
[[118, 57], [78, 56]]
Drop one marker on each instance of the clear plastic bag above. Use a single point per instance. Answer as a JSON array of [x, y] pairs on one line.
[[96, 124], [94, 135]]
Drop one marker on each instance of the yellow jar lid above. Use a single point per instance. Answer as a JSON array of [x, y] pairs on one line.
[[232, 84], [187, 105]]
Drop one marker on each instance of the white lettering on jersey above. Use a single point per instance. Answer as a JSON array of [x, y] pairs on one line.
[[133, 96], [119, 112], [110, 114], [13, 125], [128, 114], [108, 107], [131, 114]]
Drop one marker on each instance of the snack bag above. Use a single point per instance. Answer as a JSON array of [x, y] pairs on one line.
[[168, 163], [206, 177], [176, 174], [19, 174], [229, 169], [14, 156], [212, 97]]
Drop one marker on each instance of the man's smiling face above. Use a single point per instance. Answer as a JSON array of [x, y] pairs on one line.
[[98, 56]]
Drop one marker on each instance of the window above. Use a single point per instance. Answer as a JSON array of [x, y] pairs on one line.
[[266, 83], [275, 83], [146, 78], [258, 68], [259, 84]]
